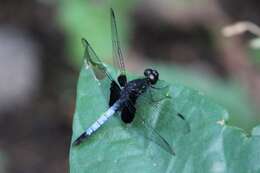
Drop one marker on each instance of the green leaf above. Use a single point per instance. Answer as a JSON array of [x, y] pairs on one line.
[[236, 98], [211, 146]]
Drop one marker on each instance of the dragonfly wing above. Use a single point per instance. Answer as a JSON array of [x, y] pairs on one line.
[[114, 93], [154, 135], [154, 98], [99, 67], [117, 52], [127, 115], [142, 127], [101, 73]]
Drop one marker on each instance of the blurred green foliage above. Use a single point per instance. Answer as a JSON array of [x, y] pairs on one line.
[[91, 20]]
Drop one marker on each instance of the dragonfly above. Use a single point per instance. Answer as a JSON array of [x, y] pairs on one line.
[[123, 93]]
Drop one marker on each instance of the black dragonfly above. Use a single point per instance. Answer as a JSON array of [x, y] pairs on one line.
[[123, 93]]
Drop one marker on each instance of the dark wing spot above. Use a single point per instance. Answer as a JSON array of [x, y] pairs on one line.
[[122, 80], [128, 112], [114, 93]]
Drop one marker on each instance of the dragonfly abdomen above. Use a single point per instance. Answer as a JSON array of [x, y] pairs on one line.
[[98, 123], [101, 120]]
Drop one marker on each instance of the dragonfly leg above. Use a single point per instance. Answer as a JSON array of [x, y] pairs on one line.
[[153, 100], [160, 87], [149, 132]]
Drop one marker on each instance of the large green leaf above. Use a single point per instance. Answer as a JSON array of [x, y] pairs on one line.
[[211, 146]]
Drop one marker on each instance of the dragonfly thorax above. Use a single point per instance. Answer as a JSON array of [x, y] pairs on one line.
[[151, 75]]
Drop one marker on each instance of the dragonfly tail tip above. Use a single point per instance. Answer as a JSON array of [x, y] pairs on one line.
[[80, 139]]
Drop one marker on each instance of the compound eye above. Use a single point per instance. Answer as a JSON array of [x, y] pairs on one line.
[[147, 72], [153, 79], [155, 73]]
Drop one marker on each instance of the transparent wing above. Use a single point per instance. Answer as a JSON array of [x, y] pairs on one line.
[[153, 99], [117, 53], [143, 128], [100, 71], [93, 60], [154, 135], [158, 116]]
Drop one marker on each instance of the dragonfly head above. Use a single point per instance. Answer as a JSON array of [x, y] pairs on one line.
[[151, 75]]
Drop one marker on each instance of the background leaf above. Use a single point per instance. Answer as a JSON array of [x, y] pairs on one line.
[[211, 146], [91, 20]]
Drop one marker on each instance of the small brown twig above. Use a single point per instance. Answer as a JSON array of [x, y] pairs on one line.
[[240, 28]]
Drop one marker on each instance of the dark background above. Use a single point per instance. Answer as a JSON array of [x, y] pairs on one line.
[[41, 54]]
